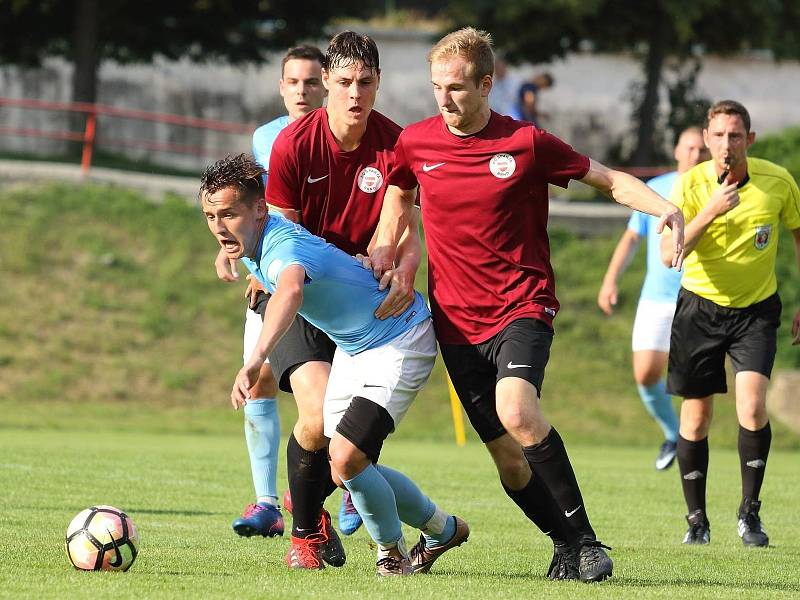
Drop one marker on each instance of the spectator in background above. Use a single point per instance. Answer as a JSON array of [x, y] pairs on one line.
[[503, 99], [528, 97]]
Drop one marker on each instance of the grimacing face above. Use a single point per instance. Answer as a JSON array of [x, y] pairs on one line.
[[301, 87], [728, 141], [460, 99], [351, 92], [235, 224]]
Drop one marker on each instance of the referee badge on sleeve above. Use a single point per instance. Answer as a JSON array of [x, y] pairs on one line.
[[762, 236]]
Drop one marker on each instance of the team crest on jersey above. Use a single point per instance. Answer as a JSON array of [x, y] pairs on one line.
[[502, 165], [762, 236], [370, 180]]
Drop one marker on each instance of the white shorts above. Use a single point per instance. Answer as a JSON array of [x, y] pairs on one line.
[[252, 330], [652, 326], [390, 375]]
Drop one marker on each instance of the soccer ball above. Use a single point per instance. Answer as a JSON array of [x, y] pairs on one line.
[[102, 538]]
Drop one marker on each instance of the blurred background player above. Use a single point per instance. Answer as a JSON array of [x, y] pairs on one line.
[[653, 323], [302, 91], [728, 304], [492, 237], [529, 107], [330, 288], [504, 97], [327, 171]]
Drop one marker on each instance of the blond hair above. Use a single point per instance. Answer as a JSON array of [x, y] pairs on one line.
[[472, 45]]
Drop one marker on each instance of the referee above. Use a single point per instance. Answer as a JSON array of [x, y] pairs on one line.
[[728, 304]]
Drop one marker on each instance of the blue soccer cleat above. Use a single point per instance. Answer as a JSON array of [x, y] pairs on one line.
[[349, 519], [259, 519]]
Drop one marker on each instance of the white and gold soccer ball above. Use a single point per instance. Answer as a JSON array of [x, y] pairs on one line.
[[102, 538]]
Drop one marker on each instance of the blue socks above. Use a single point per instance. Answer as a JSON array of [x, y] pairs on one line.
[[389, 497], [659, 404], [262, 430], [375, 502]]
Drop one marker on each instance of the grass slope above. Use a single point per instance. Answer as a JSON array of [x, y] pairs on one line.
[[112, 299], [182, 490]]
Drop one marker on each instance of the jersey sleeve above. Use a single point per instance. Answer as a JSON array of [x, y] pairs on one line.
[[682, 197], [283, 185], [556, 161], [790, 215], [638, 223], [287, 253], [401, 174]]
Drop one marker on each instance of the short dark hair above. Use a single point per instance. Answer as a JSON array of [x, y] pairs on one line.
[[349, 47], [304, 52], [240, 172], [728, 107]]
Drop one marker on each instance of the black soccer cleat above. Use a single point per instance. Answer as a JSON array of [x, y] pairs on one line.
[[593, 562], [331, 550], [750, 529], [699, 531], [564, 565]]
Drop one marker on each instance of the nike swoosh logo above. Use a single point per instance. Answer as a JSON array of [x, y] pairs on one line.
[[569, 513], [316, 179], [426, 167], [367, 385], [117, 562], [511, 365]]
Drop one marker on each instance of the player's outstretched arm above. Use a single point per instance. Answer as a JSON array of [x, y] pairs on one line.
[[281, 310], [623, 253], [629, 191], [396, 214]]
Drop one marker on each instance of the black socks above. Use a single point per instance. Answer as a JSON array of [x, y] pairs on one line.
[[693, 465], [753, 453], [309, 481]]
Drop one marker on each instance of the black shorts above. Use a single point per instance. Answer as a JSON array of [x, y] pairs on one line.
[[259, 303], [302, 343], [366, 425], [522, 350], [703, 332]]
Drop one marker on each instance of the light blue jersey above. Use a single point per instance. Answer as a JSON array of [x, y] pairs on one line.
[[340, 296], [661, 284], [264, 137]]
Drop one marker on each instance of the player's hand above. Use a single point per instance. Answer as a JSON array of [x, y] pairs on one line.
[[382, 260], [724, 198], [245, 379], [401, 293], [673, 219], [253, 287], [365, 261], [796, 329], [607, 298], [226, 268]]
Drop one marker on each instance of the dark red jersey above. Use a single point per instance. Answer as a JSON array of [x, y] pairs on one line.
[[484, 207], [338, 194]]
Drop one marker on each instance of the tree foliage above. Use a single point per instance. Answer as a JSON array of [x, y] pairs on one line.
[[87, 31], [656, 31]]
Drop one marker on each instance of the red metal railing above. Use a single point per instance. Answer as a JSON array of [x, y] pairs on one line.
[[89, 135]]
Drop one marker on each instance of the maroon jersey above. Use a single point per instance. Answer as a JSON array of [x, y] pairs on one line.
[[485, 206], [338, 194]]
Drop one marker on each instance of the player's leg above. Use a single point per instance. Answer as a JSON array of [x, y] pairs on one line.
[[696, 372], [650, 344], [301, 362], [473, 372], [521, 353], [262, 434], [753, 356]]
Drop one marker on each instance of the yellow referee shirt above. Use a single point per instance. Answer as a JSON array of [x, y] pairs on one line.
[[733, 264]]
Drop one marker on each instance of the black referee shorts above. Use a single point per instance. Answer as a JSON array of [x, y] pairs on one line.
[[703, 332], [521, 349]]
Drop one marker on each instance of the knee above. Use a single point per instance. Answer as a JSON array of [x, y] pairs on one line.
[[647, 377], [309, 431], [265, 387], [346, 460], [695, 423]]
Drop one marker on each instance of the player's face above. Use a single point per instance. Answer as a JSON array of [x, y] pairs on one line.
[[234, 223], [690, 150], [351, 92], [727, 140], [462, 102], [301, 86]]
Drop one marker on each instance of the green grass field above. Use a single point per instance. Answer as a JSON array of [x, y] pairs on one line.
[[182, 490]]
